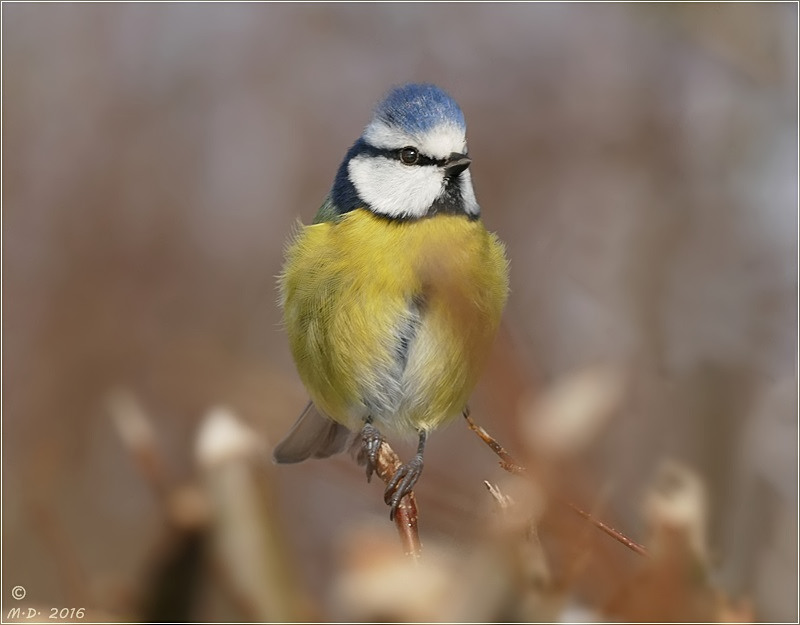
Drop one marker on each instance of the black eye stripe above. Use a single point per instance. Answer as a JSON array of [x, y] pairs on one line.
[[394, 155], [424, 160]]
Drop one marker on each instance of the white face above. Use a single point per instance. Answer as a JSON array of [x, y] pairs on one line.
[[395, 189]]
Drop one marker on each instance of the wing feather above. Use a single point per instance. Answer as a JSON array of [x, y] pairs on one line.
[[312, 436]]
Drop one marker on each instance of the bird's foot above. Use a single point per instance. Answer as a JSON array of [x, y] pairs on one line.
[[371, 440], [402, 483]]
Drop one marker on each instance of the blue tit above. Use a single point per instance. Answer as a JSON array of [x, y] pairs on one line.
[[393, 296]]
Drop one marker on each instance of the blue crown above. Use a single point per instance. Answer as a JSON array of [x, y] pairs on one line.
[[417, 108]]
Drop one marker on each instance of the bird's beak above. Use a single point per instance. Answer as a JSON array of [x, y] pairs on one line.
[[455, 164]]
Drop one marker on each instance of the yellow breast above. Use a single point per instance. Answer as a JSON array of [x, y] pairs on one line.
[[392, 319]]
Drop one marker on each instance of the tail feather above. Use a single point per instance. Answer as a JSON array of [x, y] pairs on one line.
[[312, 435]]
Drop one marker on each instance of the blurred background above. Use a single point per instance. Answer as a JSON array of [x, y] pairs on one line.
[[639, 161]]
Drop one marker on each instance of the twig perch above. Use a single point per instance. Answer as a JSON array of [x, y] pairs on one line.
[[509, 464], [406, 516]]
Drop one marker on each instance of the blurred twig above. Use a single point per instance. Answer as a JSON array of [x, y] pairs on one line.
[[508, 463], [135, 429], [676, 584], [504, 501], [173, 582], [248, 540], [174, 575]]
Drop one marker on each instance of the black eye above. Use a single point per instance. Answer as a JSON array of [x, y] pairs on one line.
[[409, 155]]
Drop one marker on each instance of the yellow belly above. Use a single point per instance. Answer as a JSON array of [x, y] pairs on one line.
[[392, 319]]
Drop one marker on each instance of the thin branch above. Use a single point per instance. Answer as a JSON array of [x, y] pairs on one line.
[[509, 464], [615, 534], [506, 459], [406, 516]]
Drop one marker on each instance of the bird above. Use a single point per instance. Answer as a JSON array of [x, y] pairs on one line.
[[392, 297]]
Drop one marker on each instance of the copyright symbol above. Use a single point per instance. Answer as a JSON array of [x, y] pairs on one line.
[[18, 592]]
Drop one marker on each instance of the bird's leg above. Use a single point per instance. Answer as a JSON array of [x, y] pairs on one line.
[[405, 477], [371, 440]]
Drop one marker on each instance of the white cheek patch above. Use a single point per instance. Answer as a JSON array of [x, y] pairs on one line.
[[394, 189], [439, 142], [468, 194]]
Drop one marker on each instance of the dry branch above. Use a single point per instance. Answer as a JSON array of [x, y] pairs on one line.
[[406, 516], [509, 464]]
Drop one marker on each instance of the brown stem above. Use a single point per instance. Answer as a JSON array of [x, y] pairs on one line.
[[615, 534], [506, 459], [406, 516], [508, 463]]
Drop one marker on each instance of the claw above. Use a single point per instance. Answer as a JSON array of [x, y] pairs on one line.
[[402, 483], [371, 440]]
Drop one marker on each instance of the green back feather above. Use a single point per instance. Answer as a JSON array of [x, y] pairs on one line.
[[327, 212]]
